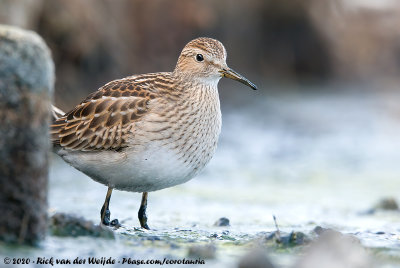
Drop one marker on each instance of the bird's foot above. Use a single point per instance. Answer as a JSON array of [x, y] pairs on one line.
[[145, 226], [105, 216], [107, 220], [115, 223]]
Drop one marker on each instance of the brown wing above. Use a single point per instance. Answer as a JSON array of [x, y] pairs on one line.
[[105, 118]]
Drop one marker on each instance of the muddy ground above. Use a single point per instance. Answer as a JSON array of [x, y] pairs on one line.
[[316, 158]]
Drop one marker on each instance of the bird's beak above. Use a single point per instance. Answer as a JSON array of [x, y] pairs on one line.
[[229, 73]]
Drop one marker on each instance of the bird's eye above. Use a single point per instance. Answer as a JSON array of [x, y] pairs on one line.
[[199, 57]]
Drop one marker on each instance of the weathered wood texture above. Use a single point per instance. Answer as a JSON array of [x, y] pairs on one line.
[[26, 86]]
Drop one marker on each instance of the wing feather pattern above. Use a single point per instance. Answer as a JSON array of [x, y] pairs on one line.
[[105, 118]]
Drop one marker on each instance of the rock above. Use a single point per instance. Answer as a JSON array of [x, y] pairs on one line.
[[334, 250], [62, 224], [26, 87], [321, 230], [213, 236], [327, 232], [387, 204], [255, 258], [222, 222], [202, 251]]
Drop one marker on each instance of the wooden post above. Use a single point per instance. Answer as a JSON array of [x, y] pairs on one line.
[[26, 86]]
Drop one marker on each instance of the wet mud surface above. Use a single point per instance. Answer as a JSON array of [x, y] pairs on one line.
[[317, 162]]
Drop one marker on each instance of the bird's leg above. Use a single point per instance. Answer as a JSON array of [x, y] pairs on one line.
[[105, 211], [142, 212]]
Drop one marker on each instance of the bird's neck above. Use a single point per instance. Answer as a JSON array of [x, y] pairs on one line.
[[193, 81], [200, 90]]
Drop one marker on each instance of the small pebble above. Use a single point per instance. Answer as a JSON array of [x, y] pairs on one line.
[[222, 222], [320, 230], [387, 204]]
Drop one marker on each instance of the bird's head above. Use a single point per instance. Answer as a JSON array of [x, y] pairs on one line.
[[204, 59]]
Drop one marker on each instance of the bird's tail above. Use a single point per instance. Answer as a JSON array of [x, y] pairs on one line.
[[56, 113]]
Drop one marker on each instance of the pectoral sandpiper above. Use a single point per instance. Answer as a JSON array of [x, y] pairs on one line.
[[148, 132]]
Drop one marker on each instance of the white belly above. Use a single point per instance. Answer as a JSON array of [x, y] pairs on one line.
[[150, 170]]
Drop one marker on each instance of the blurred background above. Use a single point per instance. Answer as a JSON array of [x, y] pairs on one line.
[[318, 144], [290, 41]]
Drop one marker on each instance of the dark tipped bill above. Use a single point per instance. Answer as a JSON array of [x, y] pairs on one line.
[[229, 73]]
